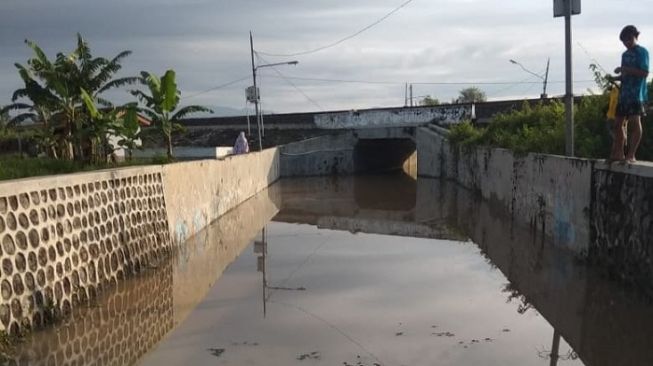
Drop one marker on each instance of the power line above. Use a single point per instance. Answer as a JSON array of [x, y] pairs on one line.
[[592, 58], [428, 82], [506, 88], [216, 87], [340, 40], [292, 84]]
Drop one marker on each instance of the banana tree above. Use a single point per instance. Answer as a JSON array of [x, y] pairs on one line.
[[121, 122], [161, 104], [54, 89], [130, 131]]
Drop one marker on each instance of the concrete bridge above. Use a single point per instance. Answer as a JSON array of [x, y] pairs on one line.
[[342, 142]]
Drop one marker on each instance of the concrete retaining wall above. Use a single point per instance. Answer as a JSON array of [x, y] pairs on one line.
[[199, 192], [604, 212], [325, 155], [65, 238], [622, 220], [541, 190]]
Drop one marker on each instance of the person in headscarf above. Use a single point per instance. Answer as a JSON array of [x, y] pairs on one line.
[[241, 146]]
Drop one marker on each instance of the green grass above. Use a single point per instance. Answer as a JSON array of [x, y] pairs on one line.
[[14, 167]]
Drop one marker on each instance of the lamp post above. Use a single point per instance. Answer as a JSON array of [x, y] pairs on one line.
[[256, 96], [544, 78]]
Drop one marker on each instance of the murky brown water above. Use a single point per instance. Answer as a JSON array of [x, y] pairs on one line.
[[359, 271]]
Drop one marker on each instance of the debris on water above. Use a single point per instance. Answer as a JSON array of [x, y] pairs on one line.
[[217, 352], [489, 339], [315, 355], [399, 334], [474, 340], [244, 343], [301, 288], [444, 334], [434, 326], [506, 330], [360, 362]]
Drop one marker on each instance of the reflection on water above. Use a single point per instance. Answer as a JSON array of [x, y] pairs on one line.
[[134, 316], [131, 317], [376, 270]]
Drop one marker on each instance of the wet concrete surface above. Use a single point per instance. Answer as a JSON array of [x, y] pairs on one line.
[[375, 270]]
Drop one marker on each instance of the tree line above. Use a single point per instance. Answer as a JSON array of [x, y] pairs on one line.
[[467, 95]]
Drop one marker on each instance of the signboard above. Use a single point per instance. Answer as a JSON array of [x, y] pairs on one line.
[[560, 7], [252, 94]]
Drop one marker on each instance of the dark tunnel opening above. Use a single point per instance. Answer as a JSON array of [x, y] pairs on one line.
[[383, 155]]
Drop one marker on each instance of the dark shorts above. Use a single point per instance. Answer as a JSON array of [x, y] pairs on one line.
[[630, 109]]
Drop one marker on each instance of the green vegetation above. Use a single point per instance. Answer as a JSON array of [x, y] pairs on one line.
[[429, 101], [14, 167], [470, 95], [540, 128], [162, 102], [64, 97]]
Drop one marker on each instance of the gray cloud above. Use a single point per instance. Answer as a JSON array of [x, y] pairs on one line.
[[427, 41]]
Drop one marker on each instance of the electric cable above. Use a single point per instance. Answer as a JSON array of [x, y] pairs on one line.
[[292, 84], [340, 40], [428, 82], [216, 87]]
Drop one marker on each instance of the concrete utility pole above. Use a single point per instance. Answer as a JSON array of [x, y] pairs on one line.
[[569, 92], [406, 96], [546, 78], [411, 95], [256, 97]]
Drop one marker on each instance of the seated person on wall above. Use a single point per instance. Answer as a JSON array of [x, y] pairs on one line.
[[241, 146]]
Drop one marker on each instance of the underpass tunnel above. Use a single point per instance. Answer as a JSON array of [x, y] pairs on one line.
[[385, 155]]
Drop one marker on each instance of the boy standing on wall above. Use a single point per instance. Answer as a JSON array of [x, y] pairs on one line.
[[632, 96]]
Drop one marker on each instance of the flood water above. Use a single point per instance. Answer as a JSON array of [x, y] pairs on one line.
[[371, 270]]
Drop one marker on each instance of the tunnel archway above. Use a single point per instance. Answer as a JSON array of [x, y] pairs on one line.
[[382, 155]]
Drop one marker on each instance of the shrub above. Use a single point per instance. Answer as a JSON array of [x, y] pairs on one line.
[[541, 129], [464, 133]]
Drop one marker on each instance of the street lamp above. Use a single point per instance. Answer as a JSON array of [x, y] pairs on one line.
[[544, 78], [254, 94]]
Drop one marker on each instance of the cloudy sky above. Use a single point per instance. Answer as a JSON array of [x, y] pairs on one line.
[[426, 42]]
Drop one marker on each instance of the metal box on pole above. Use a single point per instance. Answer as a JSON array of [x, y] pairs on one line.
[[252, 94], [560, 8]]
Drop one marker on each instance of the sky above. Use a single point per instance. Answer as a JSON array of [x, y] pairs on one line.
[[427, 43]]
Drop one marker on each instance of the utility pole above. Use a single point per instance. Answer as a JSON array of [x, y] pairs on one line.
[[569, 96], [567, 8], [406, 96], [411, 95], [256, 97], [546, 78]]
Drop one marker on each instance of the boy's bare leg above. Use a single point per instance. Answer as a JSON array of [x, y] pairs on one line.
[[635, 124], [619, 139]]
